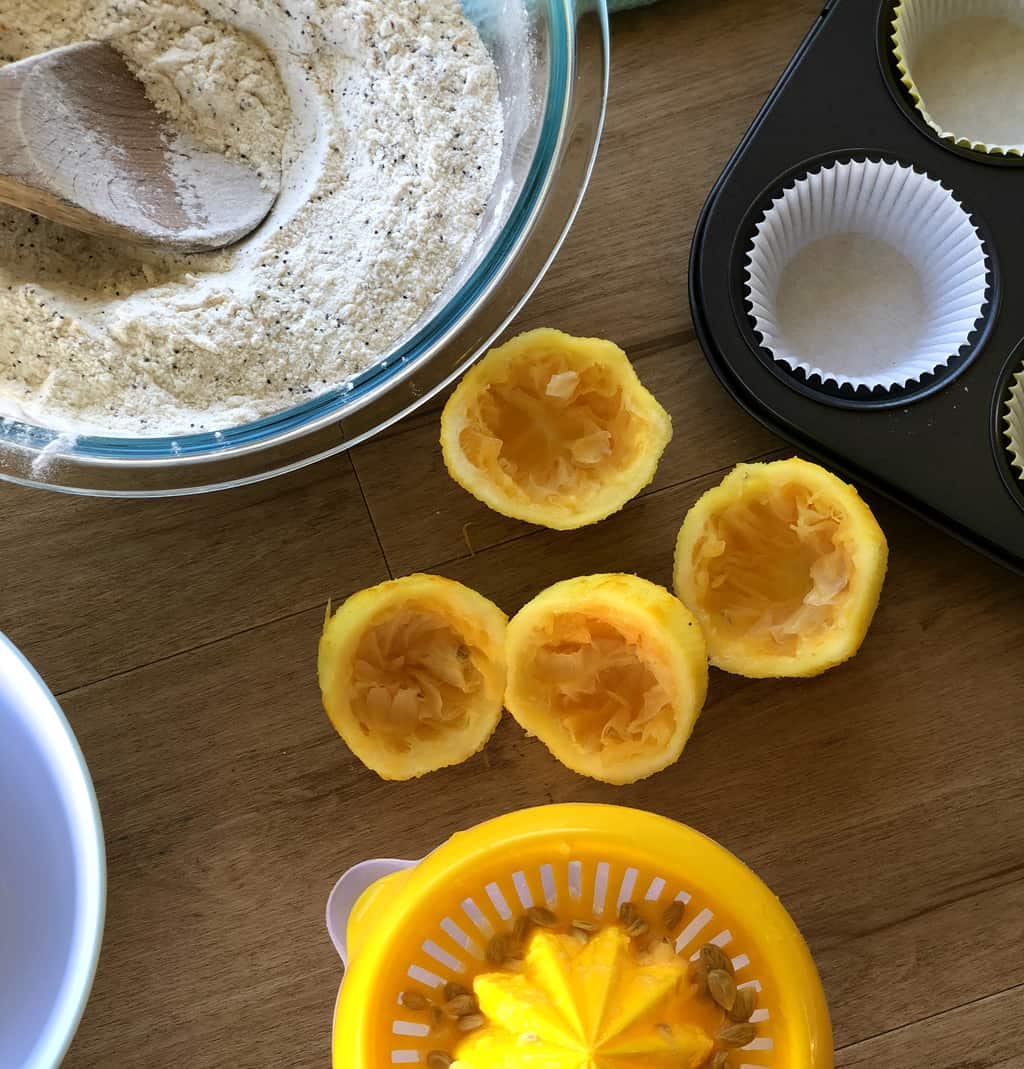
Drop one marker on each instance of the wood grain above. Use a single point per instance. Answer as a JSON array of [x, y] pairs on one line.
[[982, 1035], [93, 588], [881, 801]]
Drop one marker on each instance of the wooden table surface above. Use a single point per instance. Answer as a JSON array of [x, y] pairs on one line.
[[882, 801]]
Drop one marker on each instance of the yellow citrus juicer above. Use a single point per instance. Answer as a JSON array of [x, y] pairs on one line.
[[404, 926]]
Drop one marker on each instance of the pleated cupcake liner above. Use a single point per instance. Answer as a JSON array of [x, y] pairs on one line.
[[908, 211], [1014, 423], [913, 22]]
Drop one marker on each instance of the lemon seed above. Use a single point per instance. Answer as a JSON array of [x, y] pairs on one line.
[[415, 1001], [672, 916], [522, 928], [497, 949], [436, 1018], [699, 977], [439, 1059], [453, 989], [722, 988], [628, 913], [461, 1006], [638, 928], [542, 917], [585, 926], [743, 1007], [737, 1035], [713, 957], [476, 1020], [720, 1060]]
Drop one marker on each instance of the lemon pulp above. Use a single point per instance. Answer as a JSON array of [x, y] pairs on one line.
[[413, 678], [811, 567]]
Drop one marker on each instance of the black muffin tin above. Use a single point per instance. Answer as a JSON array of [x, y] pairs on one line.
[[937, 446]]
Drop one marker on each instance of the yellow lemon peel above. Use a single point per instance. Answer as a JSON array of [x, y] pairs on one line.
[[554, 430], [610, 673], [412, 674], [783, 565]]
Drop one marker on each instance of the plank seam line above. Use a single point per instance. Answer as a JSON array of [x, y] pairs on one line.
[[931, 1017], [771, 453], [370, 517], [71, 691]]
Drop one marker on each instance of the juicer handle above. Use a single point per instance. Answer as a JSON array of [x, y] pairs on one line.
[[347, 892]]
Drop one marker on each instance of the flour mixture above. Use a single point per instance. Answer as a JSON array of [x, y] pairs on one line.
[[380, 120]]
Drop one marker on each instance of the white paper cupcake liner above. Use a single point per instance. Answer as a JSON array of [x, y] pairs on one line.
[[866, 274], [1015, 423], [961, 64]]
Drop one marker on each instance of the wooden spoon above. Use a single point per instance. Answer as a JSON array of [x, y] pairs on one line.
[[80, 143]]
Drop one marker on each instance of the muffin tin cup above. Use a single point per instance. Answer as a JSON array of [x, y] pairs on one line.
[[954, 58], [866, 274]]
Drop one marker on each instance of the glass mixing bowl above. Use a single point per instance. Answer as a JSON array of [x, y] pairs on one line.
[[552, 58]]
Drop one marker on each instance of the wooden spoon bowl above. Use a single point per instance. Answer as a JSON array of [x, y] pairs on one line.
[[81, 144]]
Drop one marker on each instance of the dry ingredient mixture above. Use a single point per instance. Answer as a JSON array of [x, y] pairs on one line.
[[381, 121]]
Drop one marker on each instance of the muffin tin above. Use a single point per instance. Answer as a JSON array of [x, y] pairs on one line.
[[842, 148]]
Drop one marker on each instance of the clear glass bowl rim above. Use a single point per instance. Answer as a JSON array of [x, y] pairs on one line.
[[79, 466]]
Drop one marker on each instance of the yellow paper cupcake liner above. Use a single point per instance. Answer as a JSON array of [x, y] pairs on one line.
[[911, 21], [1015, 423]]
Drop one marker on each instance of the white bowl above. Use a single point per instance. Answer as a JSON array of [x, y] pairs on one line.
[[52, 872]]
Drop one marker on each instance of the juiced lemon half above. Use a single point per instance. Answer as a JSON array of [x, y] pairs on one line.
[[554, 430], [412, 674], [783, 565], [610, 672]]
